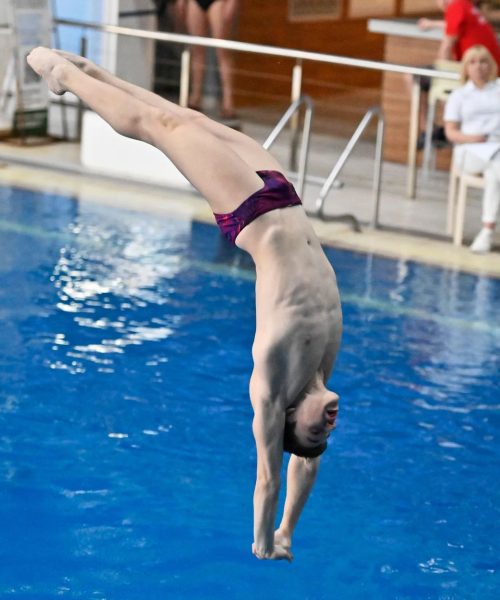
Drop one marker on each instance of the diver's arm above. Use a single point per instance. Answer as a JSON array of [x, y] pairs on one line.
[[268, 424], [301, 475]]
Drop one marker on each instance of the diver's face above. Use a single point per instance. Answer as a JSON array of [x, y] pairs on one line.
[[315, 418]]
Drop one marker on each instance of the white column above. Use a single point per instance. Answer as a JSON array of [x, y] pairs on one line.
[[109, 42]]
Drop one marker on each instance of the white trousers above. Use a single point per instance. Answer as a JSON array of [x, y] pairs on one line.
[[490, 169]]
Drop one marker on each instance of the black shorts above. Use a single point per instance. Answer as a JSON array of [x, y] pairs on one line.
[[205, 4]]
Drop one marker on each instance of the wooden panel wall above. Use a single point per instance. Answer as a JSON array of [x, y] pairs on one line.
[[266, 22], [261, 79]]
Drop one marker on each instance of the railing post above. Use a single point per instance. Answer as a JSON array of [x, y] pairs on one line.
[[84, 49], [295, 95], [184, 80], [304, 148], [377, 175], [411, 188]]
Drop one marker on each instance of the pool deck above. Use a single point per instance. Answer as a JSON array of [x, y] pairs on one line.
[[410, 229]]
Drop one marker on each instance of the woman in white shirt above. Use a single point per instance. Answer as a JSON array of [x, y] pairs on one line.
[[472, 123]]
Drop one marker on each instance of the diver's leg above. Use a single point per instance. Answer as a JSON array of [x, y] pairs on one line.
[[247, 148], [218, 172]]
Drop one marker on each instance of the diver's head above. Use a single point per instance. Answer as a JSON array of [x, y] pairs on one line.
[[309, 423]]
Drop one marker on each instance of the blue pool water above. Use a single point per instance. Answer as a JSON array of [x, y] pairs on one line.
[[126, 456]]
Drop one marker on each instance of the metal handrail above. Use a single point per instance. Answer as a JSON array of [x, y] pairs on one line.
[[306, 135], [339, 165], [180, 38]]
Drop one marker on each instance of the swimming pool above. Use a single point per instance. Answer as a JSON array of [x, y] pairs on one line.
[[126, 455]]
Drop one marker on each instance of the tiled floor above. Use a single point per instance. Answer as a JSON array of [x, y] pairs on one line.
[[411, 229]]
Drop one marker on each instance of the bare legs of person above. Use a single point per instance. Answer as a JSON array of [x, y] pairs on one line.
[[219, 162], [218, 20], [222, 17], [197, 24]]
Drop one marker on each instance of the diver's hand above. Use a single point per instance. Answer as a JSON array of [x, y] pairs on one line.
[[278, 553]]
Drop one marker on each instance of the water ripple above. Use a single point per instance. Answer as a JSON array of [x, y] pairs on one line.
[[467, 409]]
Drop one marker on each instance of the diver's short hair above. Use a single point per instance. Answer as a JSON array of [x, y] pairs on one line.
[[292, 444]]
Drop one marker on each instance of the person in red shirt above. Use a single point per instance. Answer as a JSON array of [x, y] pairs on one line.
[[464, 26]]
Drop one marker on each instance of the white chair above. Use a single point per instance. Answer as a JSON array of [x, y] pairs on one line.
[[439, 91], [459, 184]]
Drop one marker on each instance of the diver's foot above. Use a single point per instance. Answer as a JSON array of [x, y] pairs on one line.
[[50, 66], [84, 64]]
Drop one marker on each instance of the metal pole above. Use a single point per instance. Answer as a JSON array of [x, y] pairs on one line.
[[271, 138], [62, 104], [304, 148], [184, 82], [294, 123], [341, 161], [411, 188], [306, 134], [191, 40], [377, 176], [79, 119]]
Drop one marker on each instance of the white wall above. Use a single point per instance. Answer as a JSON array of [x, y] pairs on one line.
[[105, 151]]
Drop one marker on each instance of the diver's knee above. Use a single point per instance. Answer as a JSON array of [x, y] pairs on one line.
[[165, 123], [157, 122]]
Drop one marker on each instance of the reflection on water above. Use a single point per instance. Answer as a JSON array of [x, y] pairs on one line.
[[126, 452], [104, 271]]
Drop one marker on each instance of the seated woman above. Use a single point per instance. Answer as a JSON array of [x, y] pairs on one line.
[[472, 123]]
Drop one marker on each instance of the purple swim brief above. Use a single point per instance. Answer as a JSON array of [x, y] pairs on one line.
[[277, 192]]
